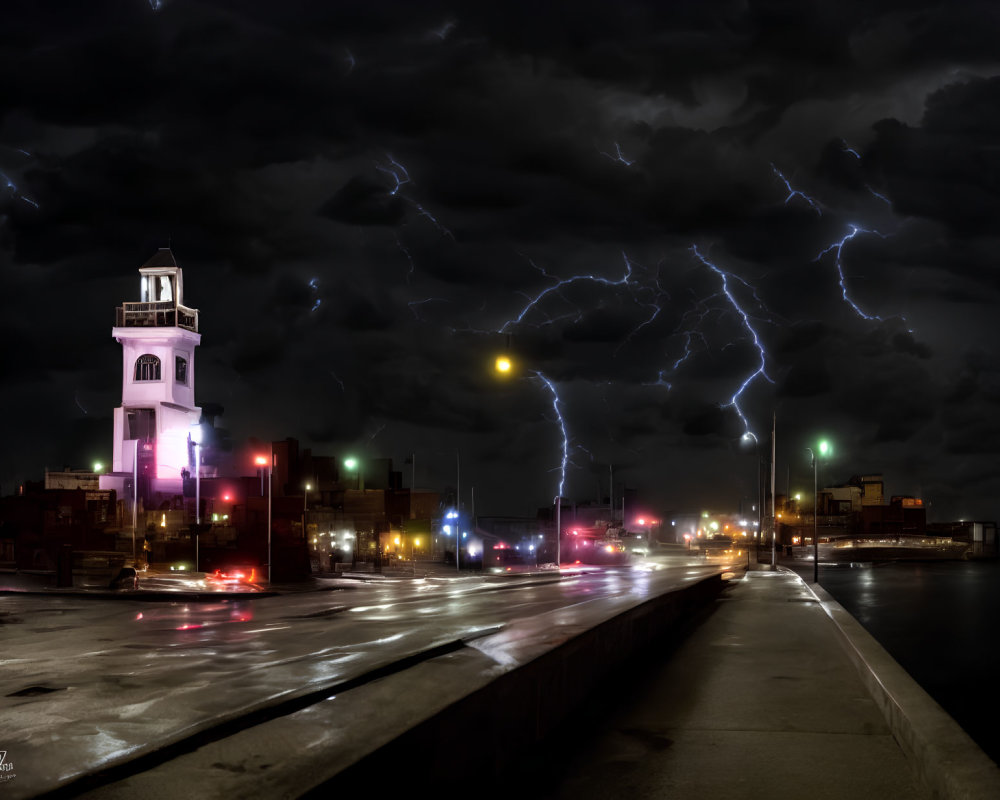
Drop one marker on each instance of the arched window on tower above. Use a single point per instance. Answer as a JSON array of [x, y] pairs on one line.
[[147, 368], [181, 369]]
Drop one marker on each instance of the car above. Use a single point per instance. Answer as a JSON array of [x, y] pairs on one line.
[[233, 575], [127, 579]]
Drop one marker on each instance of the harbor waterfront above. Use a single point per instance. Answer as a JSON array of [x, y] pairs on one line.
[[937, 619]]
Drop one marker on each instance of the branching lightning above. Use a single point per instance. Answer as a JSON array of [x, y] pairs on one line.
[[401, 176], [619, 158], [533, 302], [760, 372], [838, 247], [398, 173], [793, 193]]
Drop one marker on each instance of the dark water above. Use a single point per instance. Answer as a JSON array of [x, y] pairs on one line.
[[941, 622]]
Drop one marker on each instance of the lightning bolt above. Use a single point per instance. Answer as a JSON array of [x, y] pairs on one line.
[[397, 172], [556, 402], [846, 148], [314, 285], [760, 372], [414, 303], [881, 197], [401, 176], [442, 32], [534, 302], [687, 347], [11, 188], [793, 193], [409, 258], [441, 228], [619, 158], [838, 248]]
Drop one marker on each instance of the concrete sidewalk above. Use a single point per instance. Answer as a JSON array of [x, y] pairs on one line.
[[772, 697]]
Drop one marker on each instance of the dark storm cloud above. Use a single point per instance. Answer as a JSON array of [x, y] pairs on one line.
[[806, 380], [363, 201], [905, 343], [946, 169], [368, 200]]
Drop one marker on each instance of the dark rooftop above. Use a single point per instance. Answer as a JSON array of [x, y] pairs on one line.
[[163, 257]]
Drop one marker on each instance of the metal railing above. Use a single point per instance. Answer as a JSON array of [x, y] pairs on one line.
[[156, 315]]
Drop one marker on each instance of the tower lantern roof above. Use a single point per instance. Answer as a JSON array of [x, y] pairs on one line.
[[164, 257], [161, 300]]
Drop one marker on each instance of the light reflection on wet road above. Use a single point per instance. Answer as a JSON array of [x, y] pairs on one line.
[[126, 675]]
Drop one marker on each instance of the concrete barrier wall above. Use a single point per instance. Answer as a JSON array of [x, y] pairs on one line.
[[490, 733], [945, 757]]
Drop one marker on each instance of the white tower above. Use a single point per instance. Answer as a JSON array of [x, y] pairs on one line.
[[158, 335]]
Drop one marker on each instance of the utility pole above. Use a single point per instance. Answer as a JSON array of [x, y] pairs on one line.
[[774, 510]]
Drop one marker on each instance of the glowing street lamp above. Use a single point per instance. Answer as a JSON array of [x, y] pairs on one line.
[[268, 463], [503, 365], [825, 449], [353, 465]]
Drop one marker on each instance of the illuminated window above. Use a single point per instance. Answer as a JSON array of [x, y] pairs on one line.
[[147, 368], [181, 369]]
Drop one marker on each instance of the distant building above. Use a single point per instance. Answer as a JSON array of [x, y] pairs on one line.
[[872, 489], [72, 479]]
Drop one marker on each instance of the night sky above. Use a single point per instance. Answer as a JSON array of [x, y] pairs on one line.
[[677, 217]]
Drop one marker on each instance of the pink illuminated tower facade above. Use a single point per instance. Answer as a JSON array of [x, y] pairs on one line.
[[158, 335]]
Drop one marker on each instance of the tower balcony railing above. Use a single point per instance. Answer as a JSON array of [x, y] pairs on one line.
[[156, 315]]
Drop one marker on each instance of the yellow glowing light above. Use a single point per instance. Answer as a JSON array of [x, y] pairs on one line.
[[503, 364]]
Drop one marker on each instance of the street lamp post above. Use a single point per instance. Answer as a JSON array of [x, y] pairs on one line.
[[558, 530], [263, 461], [351, 464], [824, 449], [774, 506], [750, 437], [305, 509], [458, 508], [196, 441]]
